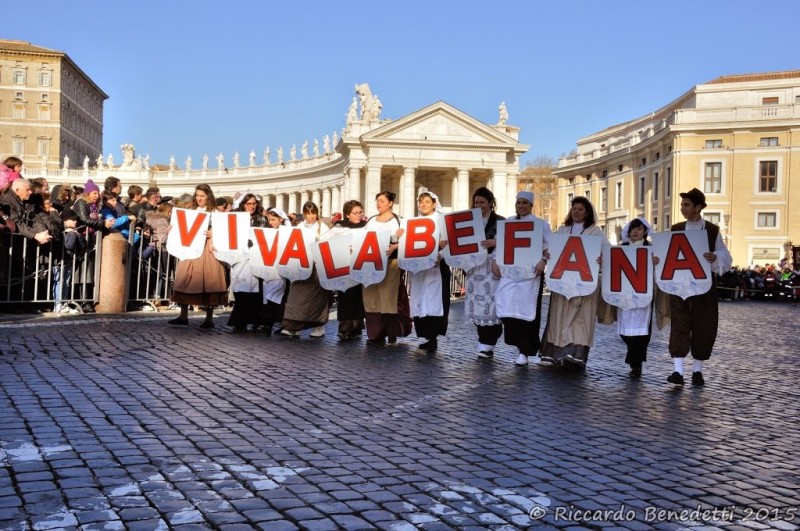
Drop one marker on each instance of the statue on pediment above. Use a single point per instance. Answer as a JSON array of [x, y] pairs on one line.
[[220, 161], [110, 161], [365, 95], [205, 161], [252, 157], [266, 155], [236, 159], [100, 165], [188, 163], [503, 118], [293, 153], [326, 144], [66, 162], [86, 162], [352, 113], [172, 163], [280, 154], [304, 150], [335, 139], [377, 106], [316, 147]]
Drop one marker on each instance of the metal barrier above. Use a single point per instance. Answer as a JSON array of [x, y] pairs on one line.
[[39, 276], [151, 273], [458, 283]]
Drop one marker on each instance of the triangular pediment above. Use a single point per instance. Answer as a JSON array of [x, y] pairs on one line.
[[439, 123]]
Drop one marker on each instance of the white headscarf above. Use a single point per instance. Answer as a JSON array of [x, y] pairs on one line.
[[437, 206], [281, 214], [627, 228]]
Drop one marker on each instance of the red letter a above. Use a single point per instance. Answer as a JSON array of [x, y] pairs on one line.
[[573, 258], [679, 245], [370, 252]]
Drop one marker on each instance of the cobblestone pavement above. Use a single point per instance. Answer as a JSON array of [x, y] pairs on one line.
[[123, 422]]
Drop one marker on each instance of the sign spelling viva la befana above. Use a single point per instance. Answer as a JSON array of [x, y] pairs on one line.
[[360, 257]]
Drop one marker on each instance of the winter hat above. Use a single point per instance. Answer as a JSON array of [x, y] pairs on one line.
[[90, 187]]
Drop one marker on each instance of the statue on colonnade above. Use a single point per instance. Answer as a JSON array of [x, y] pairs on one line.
[[503, 118], [304, 150], [316, 147], [266, 156], [189, 162], [100, 165], [280, 154], [205, 161], [86, 162], [252, 157], [326, 144]]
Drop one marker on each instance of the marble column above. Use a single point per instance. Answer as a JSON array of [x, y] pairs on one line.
[[336, 200], [316, 198], [291, 205], [511, 190], [406, 196], [463, 196], [372, 187], [355, 185], [280, 201], [326, 202], [499, 183], [345, 188], [303, 198]]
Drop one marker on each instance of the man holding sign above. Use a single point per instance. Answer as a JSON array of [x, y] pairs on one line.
[[695, 319]]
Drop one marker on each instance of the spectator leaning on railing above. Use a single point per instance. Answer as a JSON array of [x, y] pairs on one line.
[[16, 210]]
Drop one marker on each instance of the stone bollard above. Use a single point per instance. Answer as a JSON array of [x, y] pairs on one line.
[[112, 298]]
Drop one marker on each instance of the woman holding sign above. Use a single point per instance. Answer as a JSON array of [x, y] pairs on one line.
[[274, 288], [350, 303], [383, 300], [200, 281], [308, 303], [570, 322], [519, 300], [481, 282], [633, 325], [430, 288], [245, 286]]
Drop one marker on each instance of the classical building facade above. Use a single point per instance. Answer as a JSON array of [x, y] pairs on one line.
[[438, 148], [49, 108], [737, 138]]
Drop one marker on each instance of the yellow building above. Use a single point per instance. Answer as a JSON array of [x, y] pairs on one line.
[[737, 138], [49, 108]]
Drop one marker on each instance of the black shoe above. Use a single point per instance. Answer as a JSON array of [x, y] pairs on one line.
[[207, 325], [178, 321], [636, 373], [239, 330], [342, 336], [392, 340], [697, 379], [376, 342], [430, 345], [88, 308], [675, 378], [356, 334], [485, 354]]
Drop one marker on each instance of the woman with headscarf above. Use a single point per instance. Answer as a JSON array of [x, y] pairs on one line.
[[430, 288], [569, 333], [200, 281], [634, 325], [481, 282], [245, 286], [275, 289], [519, 302], [308, 303]]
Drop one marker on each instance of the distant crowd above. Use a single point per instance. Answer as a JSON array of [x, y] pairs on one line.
[[771, 282]]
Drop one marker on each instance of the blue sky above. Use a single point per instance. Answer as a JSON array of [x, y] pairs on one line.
[[188, 78]]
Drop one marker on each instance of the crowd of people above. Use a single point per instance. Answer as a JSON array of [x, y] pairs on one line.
[[501, 306], [771, 282]]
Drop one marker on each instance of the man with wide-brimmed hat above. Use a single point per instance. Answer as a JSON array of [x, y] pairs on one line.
[[695, 320]]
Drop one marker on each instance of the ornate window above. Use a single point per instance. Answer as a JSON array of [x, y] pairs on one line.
[[768, 176], [712, 178]]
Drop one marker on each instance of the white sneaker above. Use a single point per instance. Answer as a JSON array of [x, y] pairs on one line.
[[65, 308], [522, 359], [318, 332]]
